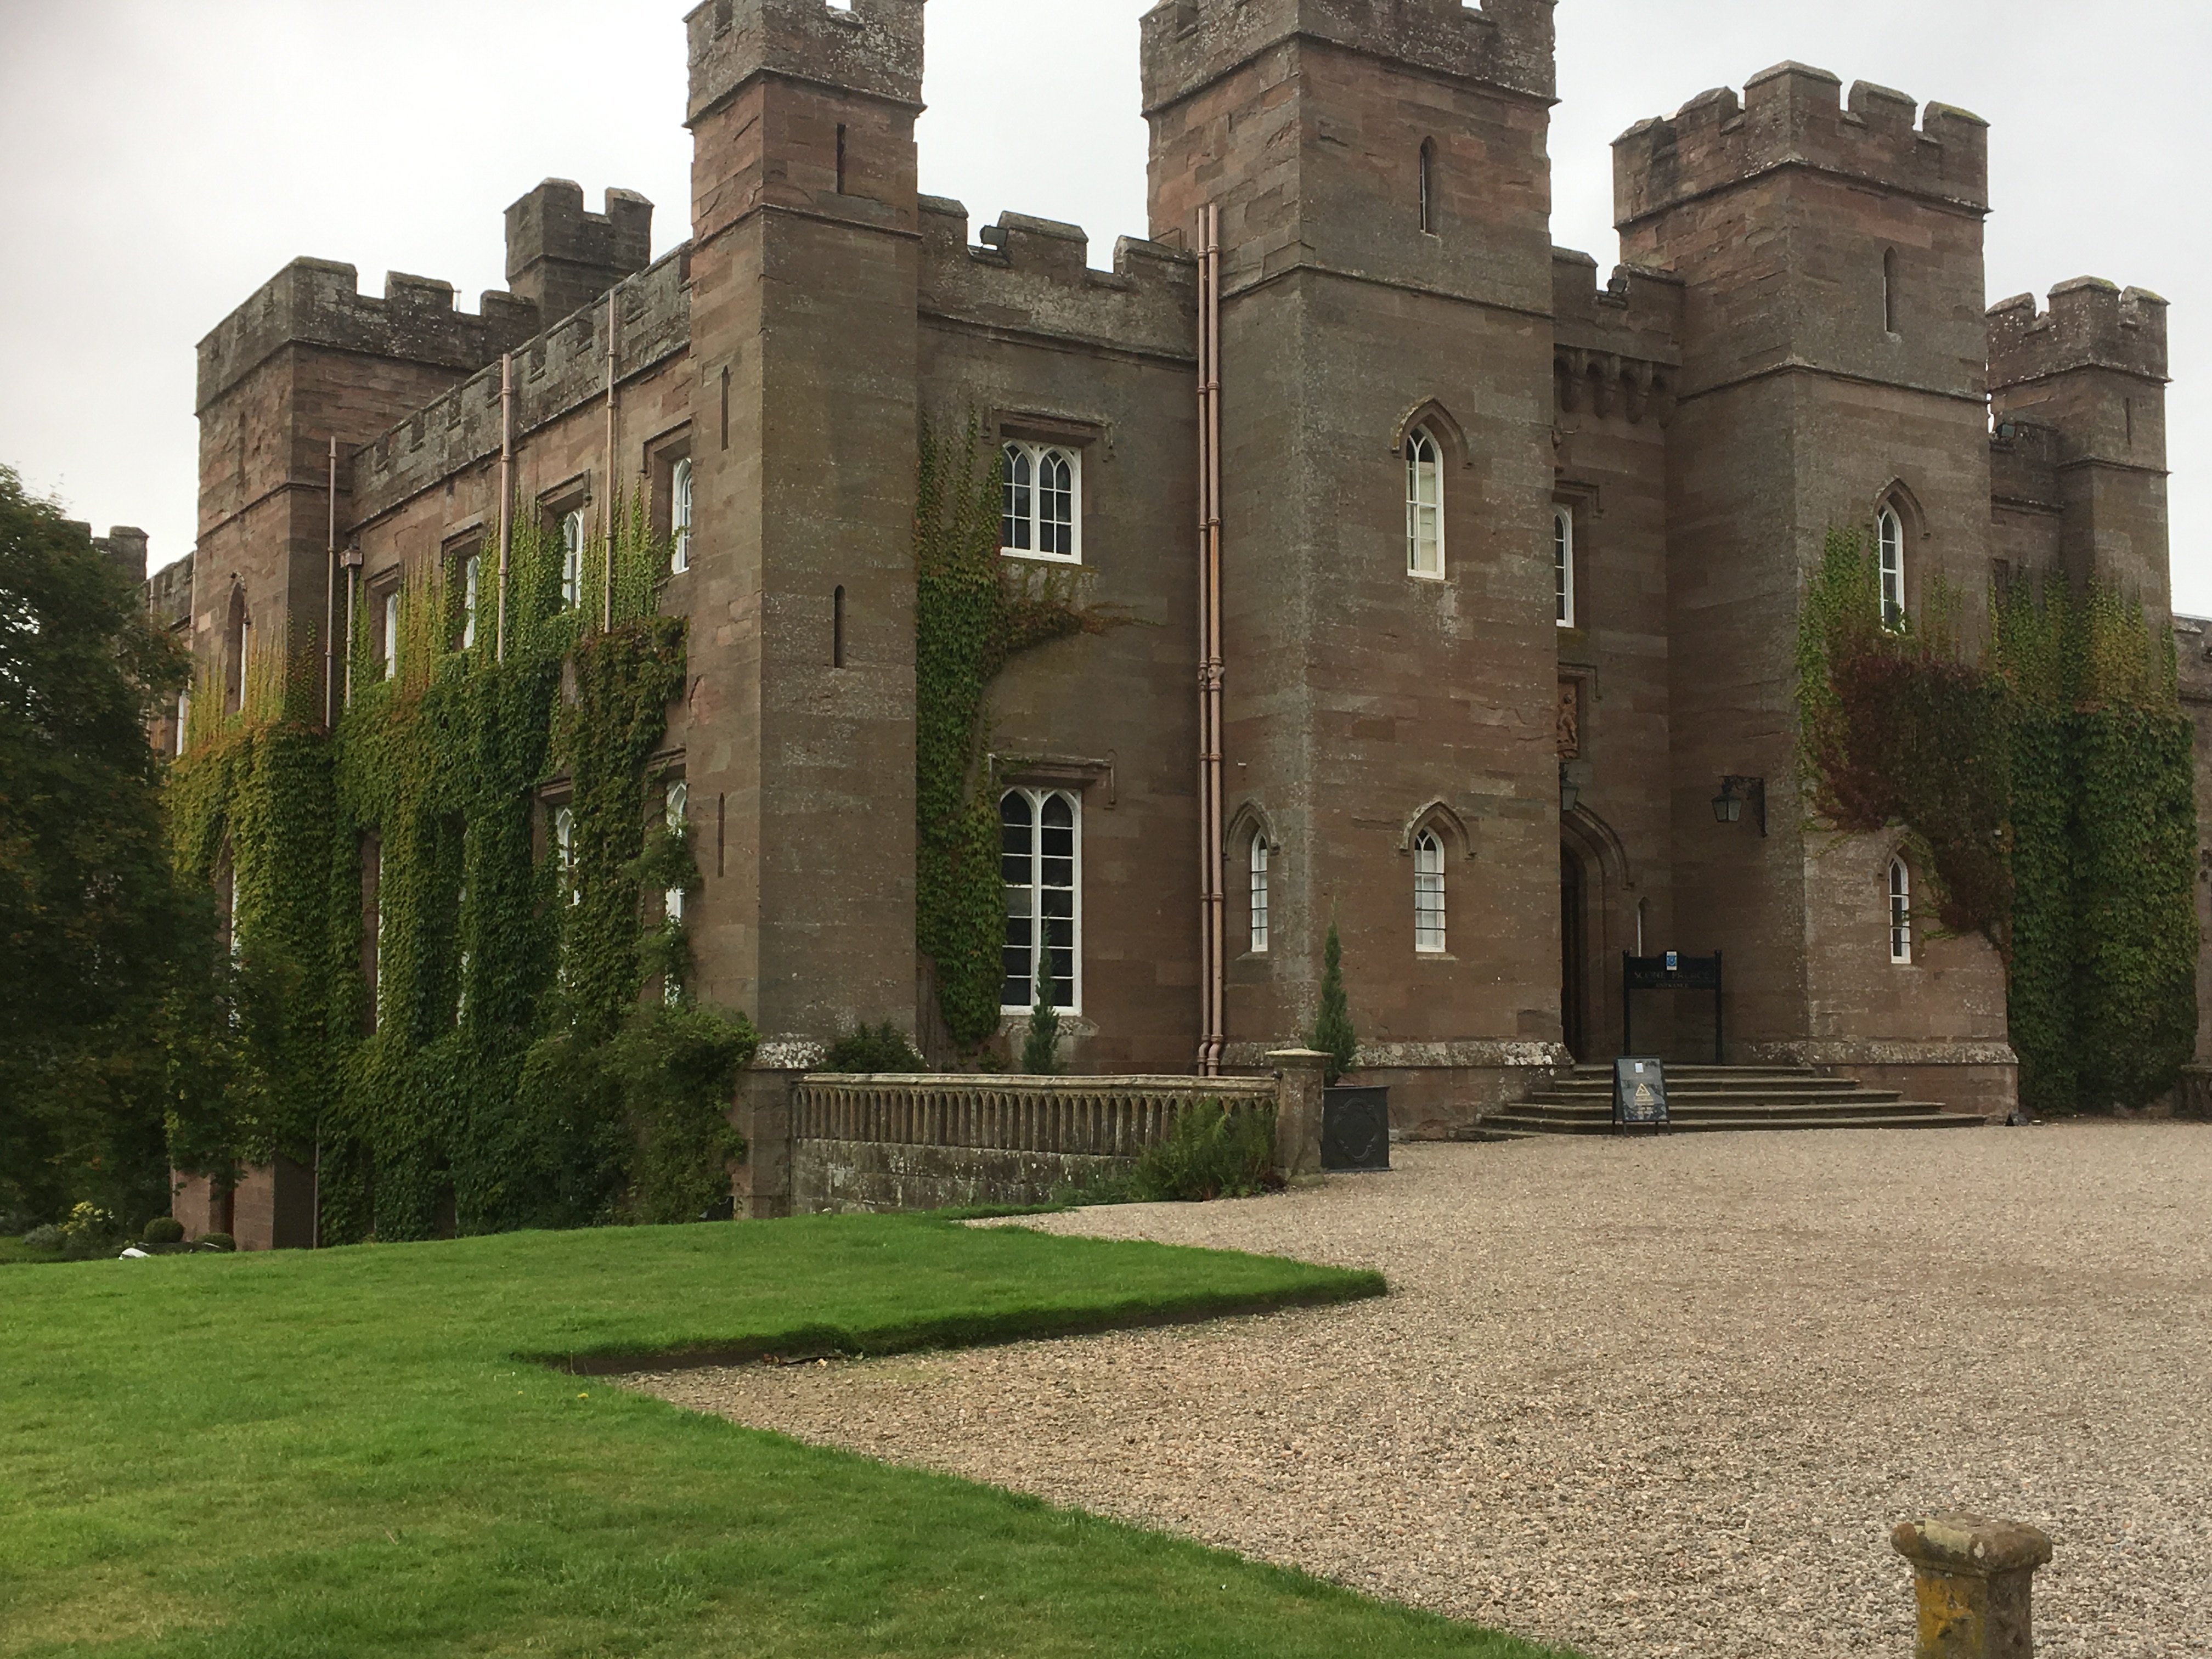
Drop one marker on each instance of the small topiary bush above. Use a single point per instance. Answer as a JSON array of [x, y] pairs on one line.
[[164, 1230], [1333, 1034], [217, 1241], [878, 1049], [1211, 1152]]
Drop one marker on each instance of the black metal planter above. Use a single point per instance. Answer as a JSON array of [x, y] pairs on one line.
[[1355, 1130]]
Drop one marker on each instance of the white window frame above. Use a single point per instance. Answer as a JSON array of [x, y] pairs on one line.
[[1429, 916], [392, 632], [1562, 565], [1424, 506], [1036, 800], [572, 558], [472, 584], [1901, 914], [1889, 539], [676, 809], [679, 516], [1257, 862], [1023, 527], [564, 848]]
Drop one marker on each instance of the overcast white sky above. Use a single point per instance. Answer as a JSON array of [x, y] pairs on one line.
[[161, 158]]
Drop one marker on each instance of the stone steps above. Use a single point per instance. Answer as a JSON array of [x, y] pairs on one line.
[[1703, 1099]]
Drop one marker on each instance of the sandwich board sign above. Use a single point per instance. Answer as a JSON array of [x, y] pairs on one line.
[[1639, 1091]]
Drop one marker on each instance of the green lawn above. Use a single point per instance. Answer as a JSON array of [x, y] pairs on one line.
[[343, 1453]]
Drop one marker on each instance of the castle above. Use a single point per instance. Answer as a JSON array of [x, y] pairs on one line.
[[1470, 581]]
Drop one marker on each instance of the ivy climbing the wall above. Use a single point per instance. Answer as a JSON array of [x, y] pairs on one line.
[[974, 610], [441, 1012], [2047, 795]]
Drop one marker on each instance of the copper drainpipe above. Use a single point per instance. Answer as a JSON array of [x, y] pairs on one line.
[[506, 494], [331, 594], [607, 583], [1212, 1021]]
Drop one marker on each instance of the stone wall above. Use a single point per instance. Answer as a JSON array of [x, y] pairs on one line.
[[923, 1143]]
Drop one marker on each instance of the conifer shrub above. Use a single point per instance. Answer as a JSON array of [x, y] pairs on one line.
[[1041, 1046], [163, 1230], [1332, 1033]]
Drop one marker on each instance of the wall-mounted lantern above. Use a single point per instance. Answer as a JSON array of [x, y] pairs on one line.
[[1569, 791], [1728, 805]]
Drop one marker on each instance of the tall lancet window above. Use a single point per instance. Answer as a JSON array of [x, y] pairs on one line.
[[1428, 892], [1259, 893], [1890, 532], [1424, 506], [1429, 185]]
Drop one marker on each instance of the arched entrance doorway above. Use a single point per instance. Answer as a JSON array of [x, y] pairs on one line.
[[1574, 953]]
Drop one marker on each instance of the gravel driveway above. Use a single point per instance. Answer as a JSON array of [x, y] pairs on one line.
[[1648, 1397]]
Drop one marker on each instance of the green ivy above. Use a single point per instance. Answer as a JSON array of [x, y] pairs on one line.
[[2048, 793], [507, 1075], [973, 611]]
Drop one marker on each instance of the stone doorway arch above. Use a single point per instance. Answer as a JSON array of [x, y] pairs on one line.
[[1597, 906]]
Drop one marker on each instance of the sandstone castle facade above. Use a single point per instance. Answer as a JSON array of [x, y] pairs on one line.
[[1509, 555]]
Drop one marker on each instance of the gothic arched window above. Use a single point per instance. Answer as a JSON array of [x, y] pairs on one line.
[[1889, 532], [1429, 185], [1040, 864], [1563, 566], [679, 515], [572, 557], [1428, 892], [1900, 913], [1424, 506], [1042, 516], [1258, 862]]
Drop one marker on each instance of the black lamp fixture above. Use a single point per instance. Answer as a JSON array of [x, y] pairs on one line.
[[1728, 805], [1569, 791]]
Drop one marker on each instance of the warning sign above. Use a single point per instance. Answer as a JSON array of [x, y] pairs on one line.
[[1639, 1091]]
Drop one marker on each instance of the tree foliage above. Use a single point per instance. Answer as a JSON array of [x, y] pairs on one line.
[[94, 933], [2047, 793], [1332, 1033]]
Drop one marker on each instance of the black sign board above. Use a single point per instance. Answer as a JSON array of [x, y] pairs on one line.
[[1672, 972], [1639, 1091], [1355, 1128]]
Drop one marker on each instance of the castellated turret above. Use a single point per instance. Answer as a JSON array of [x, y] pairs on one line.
[[1504, 43], [875, 46], [2084, 384], [560, 256], [1793, 115]]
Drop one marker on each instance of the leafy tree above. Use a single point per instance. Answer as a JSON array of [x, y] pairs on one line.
[[92, 923], [1041, 1048], [1332, 1033]]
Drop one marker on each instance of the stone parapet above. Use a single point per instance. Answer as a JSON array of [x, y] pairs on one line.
[[1793, 115], [873, 47], [1189, 44], [318, 302], [558, 371], [2090, 323], [1033, 276]]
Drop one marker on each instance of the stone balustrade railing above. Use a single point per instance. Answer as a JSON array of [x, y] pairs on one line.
[[1093, 1116], [884, 1141]]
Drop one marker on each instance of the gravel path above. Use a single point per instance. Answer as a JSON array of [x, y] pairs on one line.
[[1650, 1397]]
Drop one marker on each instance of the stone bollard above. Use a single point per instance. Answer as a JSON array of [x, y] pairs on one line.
[[1298, 1076], [1973, 1579]]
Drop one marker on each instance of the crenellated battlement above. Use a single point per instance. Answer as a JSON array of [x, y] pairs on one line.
[[874, 47], [561, 369], [317, 302], [1034, 274], [559, 255], [1638, 313], [2091, 324], [1188, 44], [1793, 115]]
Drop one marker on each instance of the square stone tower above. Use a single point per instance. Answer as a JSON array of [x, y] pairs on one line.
[[804, 270], [1834, 369], [1380, 171]]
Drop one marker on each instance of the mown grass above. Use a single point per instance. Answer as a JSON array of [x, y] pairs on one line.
[[342, 1453]]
